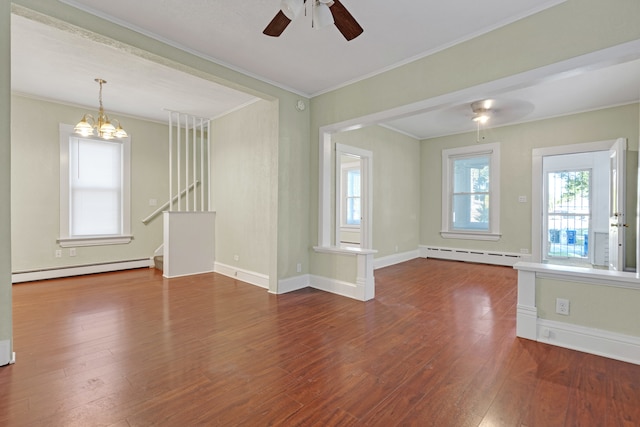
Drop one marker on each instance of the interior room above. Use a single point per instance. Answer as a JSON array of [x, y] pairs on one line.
[[333, 149]]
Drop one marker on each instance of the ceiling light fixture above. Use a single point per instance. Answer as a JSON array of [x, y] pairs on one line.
[[481, 114], [322, 16], [482, 111], [101, 127], [291, 8]]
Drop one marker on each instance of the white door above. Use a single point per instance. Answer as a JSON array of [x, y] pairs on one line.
[[617, 218]]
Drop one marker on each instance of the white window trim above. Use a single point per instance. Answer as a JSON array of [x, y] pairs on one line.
[[493, 150], [65, 240], [346, 167]]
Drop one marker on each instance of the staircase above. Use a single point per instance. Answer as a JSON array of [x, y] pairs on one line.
[[158, 261]]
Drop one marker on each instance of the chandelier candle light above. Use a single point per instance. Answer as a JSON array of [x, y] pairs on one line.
[[101, 127]]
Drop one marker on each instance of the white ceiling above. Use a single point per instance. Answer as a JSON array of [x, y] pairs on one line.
[[54, 64]]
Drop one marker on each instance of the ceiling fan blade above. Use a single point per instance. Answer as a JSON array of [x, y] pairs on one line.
[[345, 22], [277, 25]]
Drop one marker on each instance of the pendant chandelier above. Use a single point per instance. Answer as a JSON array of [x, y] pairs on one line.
[[101, 126]]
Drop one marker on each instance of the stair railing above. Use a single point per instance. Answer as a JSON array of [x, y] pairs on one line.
[[190, 133]]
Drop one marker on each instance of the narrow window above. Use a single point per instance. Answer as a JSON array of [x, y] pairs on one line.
[[352, 196]]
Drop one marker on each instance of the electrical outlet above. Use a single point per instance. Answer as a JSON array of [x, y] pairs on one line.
[[299, 268], [562, 306], [522, 199], [524, 250], [72, 251], [58, 253], [236, 258]]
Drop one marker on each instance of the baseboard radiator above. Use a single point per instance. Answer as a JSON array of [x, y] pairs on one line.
[[79, 270], [471, 255]]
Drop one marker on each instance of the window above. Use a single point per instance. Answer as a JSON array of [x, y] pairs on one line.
[[351, 194], [471, 192], [94, 190], [568, 215]]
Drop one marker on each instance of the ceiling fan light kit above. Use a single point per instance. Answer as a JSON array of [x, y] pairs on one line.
[[481, 111], [324, 13], [291, 8], [322, 16], [481, 114]]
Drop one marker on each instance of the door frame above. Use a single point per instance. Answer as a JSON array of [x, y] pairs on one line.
[[537, 185], [617, 199], [366, 192]]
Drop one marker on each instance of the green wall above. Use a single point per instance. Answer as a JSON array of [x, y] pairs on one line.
[[563, 32], [593, 306], [573, 28], [289, 214], [516, 145], [243, 144], [396, 186], [35, 195]]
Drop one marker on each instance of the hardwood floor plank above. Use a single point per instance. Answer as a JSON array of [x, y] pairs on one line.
[[436, 347]]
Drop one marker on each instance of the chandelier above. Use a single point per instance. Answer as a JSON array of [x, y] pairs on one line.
[[101, 126]]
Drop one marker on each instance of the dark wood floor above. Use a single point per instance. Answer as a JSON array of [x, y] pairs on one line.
[[436, 347]]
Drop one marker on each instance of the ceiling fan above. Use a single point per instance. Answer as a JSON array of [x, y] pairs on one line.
[[339, 15]]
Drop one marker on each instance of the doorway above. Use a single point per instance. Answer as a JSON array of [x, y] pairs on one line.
[[349, 204], [571, 200], [353, 197], [568, 215]]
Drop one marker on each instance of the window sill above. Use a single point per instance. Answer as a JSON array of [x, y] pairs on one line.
[[72, 242], [470, 235], [343, 250]]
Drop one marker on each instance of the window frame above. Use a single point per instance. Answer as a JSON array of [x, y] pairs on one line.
[[491, 150], [65, 239], [344, 199]]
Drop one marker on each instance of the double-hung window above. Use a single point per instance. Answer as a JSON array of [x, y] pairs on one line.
[[471, 192], [94, 190]]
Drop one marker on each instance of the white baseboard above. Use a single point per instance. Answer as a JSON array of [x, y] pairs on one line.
[[251, 277], [338, 287], [590, 340], [393, 259], [471, 255], [7, 357], [296, 283], [55, 273]]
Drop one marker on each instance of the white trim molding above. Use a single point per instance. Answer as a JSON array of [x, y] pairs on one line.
[[362, 289], [354, 290], [251, 277], [292, 284], [397, 258], [7, 357], [471, 255], [365, 285], [589, 340], [569, 335], [79, 270]]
